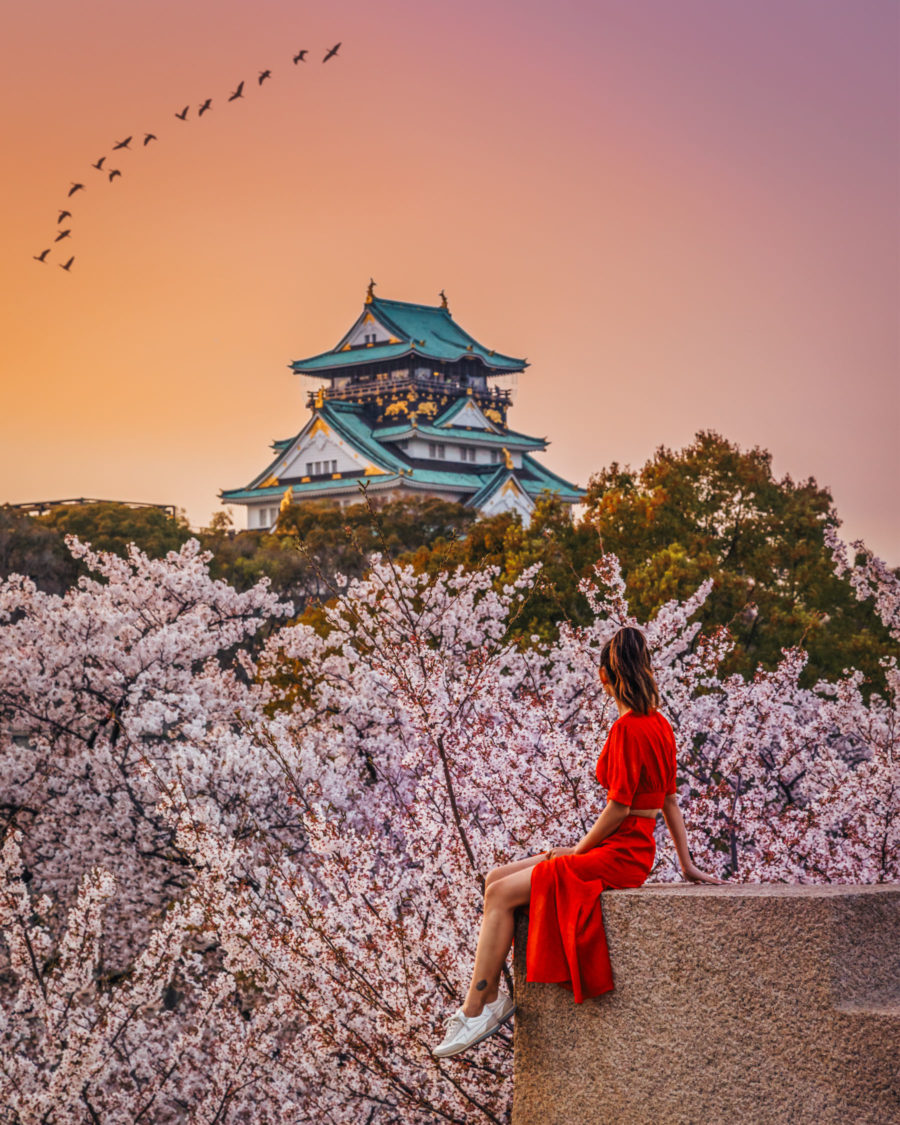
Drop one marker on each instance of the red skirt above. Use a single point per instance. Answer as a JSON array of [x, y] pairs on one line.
[[566, 938]]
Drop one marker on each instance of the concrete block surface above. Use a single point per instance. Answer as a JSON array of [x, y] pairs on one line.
[[733, 1005]]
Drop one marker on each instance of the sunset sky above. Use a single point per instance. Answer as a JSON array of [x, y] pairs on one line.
[[685, 214]]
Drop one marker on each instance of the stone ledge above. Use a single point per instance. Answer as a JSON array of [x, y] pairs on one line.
[[734, 1005]]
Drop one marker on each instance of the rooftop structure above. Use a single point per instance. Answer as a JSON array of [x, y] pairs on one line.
[[408, 402]]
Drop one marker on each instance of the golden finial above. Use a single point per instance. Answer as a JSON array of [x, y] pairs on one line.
[[319, 400], [370, 292], [287, 499], [507, 458], [443, 297]]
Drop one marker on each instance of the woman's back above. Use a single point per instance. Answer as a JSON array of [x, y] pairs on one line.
[[637, 763]]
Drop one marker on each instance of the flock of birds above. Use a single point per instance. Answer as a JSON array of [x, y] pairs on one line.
[[112, 173]]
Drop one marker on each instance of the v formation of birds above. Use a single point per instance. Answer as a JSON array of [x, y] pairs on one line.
[[125, 144]]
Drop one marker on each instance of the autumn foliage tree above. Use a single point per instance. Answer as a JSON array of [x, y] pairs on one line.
[[715, 510]]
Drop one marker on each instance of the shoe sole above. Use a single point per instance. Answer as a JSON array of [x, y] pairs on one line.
[[484, 1035]]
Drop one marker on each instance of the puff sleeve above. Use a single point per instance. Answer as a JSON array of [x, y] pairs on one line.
[[619, 768]]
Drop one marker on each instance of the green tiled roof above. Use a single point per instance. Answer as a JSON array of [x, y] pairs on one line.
[[549, 481], [510, 438], [425, 330], [494, 481], [348, 420], [299, 489], [452, 410]]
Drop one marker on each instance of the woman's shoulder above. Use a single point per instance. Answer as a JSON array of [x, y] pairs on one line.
[[654, 721], [632, 717]]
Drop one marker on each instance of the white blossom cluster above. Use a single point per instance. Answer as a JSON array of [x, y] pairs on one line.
[[242, 860]]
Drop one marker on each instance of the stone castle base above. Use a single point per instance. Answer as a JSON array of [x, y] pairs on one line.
[[734, 1005]]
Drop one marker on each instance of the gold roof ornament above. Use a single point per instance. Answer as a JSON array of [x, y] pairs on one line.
[[443, 297], [287, 499], [370, 292], [319, 400], [507, 458]]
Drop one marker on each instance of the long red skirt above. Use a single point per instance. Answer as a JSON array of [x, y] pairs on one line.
[[566, 938]]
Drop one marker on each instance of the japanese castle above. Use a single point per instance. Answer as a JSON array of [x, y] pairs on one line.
[[411, 406]]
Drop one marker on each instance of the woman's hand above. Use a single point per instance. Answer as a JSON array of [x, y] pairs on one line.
[[551, 852], [693, 874]]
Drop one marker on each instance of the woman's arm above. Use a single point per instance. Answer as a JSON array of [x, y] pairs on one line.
[[675, 823], [605, 824]]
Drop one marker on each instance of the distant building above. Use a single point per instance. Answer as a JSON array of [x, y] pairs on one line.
[[411, 407]]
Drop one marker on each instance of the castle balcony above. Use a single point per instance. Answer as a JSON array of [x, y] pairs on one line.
[[366, 389]]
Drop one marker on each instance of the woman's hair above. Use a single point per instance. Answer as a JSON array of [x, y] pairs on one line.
[[626, 660]]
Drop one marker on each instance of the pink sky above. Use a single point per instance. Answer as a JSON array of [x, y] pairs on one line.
[[685, 214]]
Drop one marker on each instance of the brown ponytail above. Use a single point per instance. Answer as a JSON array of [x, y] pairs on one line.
[[626, 660]]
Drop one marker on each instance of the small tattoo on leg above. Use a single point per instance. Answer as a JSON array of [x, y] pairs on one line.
[[481, 986]]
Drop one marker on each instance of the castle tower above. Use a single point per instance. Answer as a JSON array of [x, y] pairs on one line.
[[408, 402]]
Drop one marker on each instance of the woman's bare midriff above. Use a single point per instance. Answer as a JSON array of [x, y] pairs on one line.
[[645, 812]]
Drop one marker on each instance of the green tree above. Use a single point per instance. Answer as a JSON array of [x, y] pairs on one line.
[[28, 546], [109, 526], [315, 542], [714, 509], [565, 550], [35, 545]]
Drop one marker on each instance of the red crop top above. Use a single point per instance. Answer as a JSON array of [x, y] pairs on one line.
[[637, 763]]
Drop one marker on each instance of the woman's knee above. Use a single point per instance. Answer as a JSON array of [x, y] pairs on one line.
[[493, 891], [492, 876]]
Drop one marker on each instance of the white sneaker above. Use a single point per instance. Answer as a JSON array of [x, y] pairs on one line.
[[465, 1031]]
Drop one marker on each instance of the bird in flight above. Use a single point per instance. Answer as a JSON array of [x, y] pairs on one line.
[[75, 187], [204, 107], [263, 75], [68, 264], [238, 93], [64, 215], [183, 114], [300, 56], [115, 172], [99, 164], [149, 137], [62, 234], [332, 52], [42, 257], [122, 144]]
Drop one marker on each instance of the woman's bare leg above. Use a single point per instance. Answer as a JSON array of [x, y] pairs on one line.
[[519, 865], [505, 888]]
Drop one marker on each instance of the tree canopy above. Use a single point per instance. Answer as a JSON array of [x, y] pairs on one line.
[[708, 510], [714, 509]]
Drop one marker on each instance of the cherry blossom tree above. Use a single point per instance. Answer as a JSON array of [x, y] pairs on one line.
[[242, 870]]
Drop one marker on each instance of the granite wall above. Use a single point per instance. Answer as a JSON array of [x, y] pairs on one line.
[[733, 1005]]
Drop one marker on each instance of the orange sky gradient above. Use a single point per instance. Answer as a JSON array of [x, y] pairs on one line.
[[686, 215]]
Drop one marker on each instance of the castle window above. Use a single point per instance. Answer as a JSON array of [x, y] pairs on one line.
[[334, 466], [318, 467], [467, 453], [496, 456], [436, 449], [309, 465]]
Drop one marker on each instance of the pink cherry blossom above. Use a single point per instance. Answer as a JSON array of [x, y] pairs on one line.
[[243, 861]]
